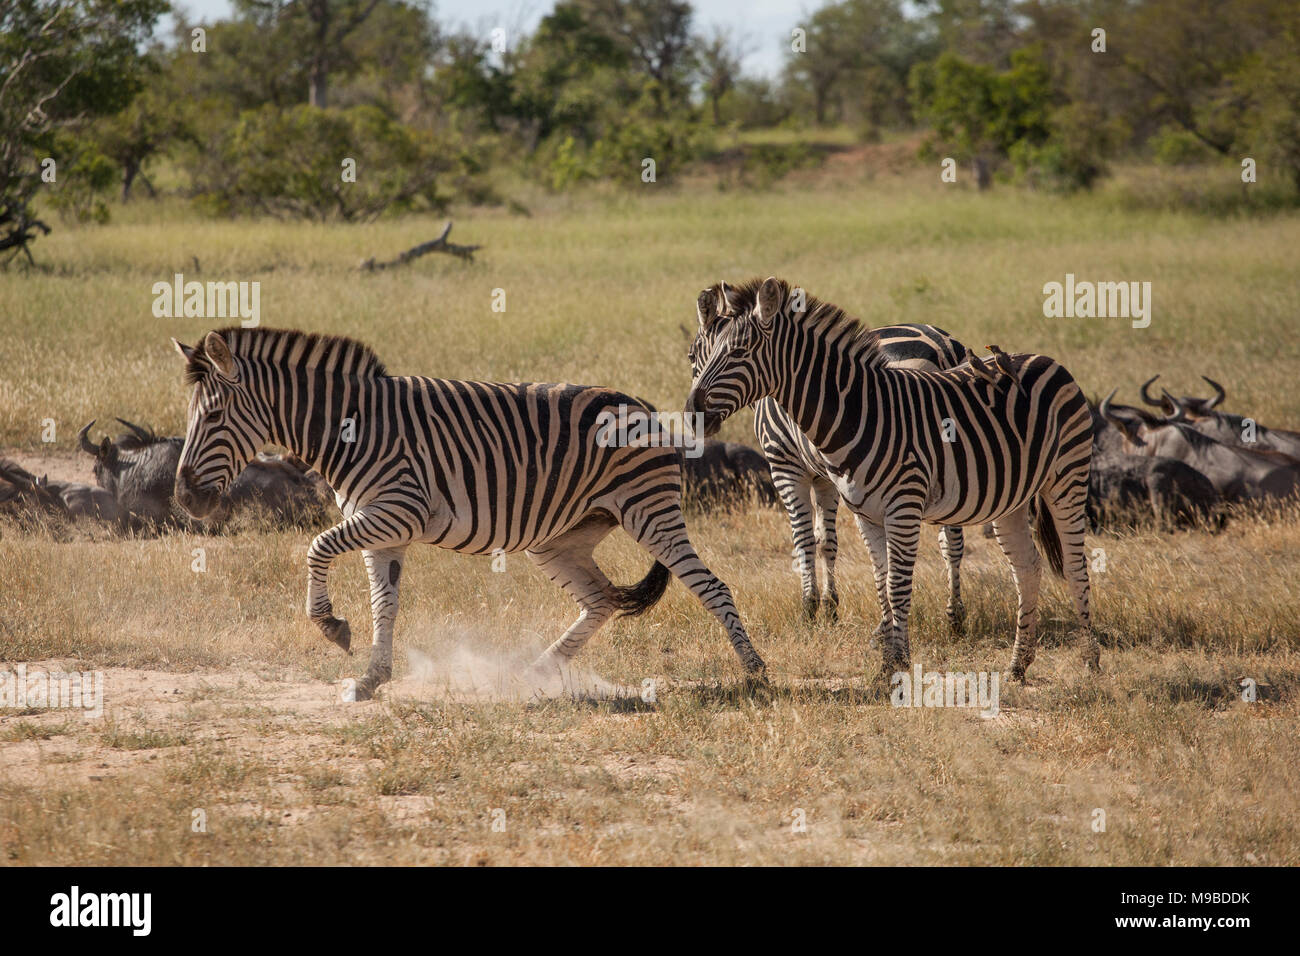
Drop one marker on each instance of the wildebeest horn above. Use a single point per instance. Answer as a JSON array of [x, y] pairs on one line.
[[1146, 396], [140, 433], [86, 446], [1106, 413], [1220, 394], [1179, 413]]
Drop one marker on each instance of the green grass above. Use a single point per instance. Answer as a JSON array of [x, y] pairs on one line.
[[218, 692]]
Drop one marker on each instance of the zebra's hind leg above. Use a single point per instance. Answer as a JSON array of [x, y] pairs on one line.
[[1068, 517], [952, 544], [567, 560], [663, 534], [384, 568], [1012, 532], [827, 500]]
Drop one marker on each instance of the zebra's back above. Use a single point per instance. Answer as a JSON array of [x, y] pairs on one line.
[[508, 466], [913, 346]]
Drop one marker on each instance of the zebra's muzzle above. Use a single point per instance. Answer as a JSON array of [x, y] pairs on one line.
[[698, 411], [198, 502]]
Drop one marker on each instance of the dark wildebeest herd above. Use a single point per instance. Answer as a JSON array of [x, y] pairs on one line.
[[1184, 465], [1176, 467]]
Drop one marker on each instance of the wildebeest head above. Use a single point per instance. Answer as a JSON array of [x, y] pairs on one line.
[[137, 469], [1192, 408]]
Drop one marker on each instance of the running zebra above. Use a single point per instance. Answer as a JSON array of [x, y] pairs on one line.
[[799, 471], [956, 447], [474, 467]]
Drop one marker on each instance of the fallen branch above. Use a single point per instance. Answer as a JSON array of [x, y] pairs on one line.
[[423, 249]]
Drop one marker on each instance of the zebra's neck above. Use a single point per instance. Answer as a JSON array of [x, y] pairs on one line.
[[822, 382], [316, 414]]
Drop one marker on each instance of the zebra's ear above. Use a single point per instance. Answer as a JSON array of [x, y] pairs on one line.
[[186, 351], [706, 306], [218, 353], [771, 296]]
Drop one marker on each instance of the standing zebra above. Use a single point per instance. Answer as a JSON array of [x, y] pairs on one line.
[[800, 473], [469, 466], [955, 447]]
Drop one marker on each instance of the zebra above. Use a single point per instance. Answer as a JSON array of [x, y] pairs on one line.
[[906, 445], [475, 467], [800, 473]]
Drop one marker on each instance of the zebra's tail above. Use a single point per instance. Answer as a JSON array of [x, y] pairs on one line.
[[645, 594], [1049, 539]]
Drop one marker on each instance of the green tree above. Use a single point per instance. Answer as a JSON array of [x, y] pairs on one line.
[[62, 63]]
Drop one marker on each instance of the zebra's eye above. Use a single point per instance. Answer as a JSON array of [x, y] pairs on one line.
[[213, 416]]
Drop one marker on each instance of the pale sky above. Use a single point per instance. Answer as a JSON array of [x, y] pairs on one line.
[[765, 24]]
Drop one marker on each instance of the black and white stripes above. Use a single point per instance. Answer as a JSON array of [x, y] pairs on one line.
[[799, 471], [475, 467], [957, 447]]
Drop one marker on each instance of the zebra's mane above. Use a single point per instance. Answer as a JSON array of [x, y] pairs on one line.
[[314, 350], [826, 317]]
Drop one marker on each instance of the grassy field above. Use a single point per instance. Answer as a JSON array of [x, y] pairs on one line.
[[219, 696]]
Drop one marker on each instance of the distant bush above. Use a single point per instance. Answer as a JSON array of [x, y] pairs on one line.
[[290, 163], [1172, 146], [1074, 154], [673, 142]]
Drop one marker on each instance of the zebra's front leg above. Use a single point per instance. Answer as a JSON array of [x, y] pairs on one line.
[[384, 568], [325, 547], [795, 492], [827, 500], [902, 533], [874, 537], [373, 530], [952, 544]]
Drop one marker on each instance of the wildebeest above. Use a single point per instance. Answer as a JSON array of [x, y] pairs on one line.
[[1124, 489], [727, 471], [1237, 474], [20, 490], [1226, 427], [139, 471]]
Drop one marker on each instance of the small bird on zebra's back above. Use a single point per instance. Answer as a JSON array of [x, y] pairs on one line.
[[475, 467]]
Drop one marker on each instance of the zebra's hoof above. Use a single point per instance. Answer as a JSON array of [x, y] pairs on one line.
[[357, 689], [336, 631], [1019, 669], [832, 606], [809, 610], [892, 666], [1092, 661], [957, 620]]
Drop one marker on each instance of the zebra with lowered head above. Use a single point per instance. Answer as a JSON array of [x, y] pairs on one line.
[[475, 467], [959, 447], [800, 473]]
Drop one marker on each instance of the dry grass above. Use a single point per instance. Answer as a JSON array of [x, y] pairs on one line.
[[220, 695]]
